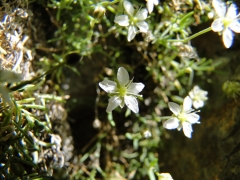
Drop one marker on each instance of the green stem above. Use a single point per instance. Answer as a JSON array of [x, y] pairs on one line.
[[191, 37], [105, 3], [166, 117]]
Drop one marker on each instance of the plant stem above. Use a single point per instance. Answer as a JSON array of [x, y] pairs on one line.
[[191, 37]]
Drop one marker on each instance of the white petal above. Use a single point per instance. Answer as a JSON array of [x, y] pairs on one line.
[[198, 104], [193, 118], [135, 88], [191, 94], [171, 123], [132, 31], [108, 86], [122, 20], [228, 37], [150, 6], [187, 104], [196, 89], [131, 103], [122, 76], [175, 108], [128, 7], [122, 102], [142, 14], [143, 26], [204, 95], [179, 127], [5, 95], [217, 25], [219, 7], [113, 103], [187, 129], [232, 11], [235, 26], [9, 76], [155, 2], [164, 176]]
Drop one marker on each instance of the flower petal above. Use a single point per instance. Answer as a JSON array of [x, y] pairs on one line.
[[232, 11], [131, 103], [217, 25], [113, 103], [175, 108], [228, 37], [122, 20], [196, 89], [142, 14], [235, 26], [135, 88], [132, 31], [171, 123], [9, 76], [155, 2], [191, 94], [143, 26], [150, 6], [5, 95], [187, 104], [164, 176], [192, 118], [108, 86], [128, 7], [198, 104], [122, 76], [219, 7], [187, 129]]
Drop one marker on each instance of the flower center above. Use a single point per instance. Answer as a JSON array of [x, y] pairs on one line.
[[197, 97], [226, 21], [182, 116], [134, 20], [122, 91]]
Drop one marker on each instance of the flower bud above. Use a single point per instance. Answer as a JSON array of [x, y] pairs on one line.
[[231, 89], [99, 12]]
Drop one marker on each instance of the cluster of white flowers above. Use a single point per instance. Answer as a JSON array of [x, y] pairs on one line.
[[133, 20], [122, 91], [198, 97], [227, 21], [184, 116]]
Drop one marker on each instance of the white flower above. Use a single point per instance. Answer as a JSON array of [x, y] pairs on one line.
[[227, 22], [10, 77], [122, 91], [132, 20], [183, 117], [198, 97], [150, 4], [164, 176]]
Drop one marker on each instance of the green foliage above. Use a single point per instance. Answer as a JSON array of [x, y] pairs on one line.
[[127, 145]]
